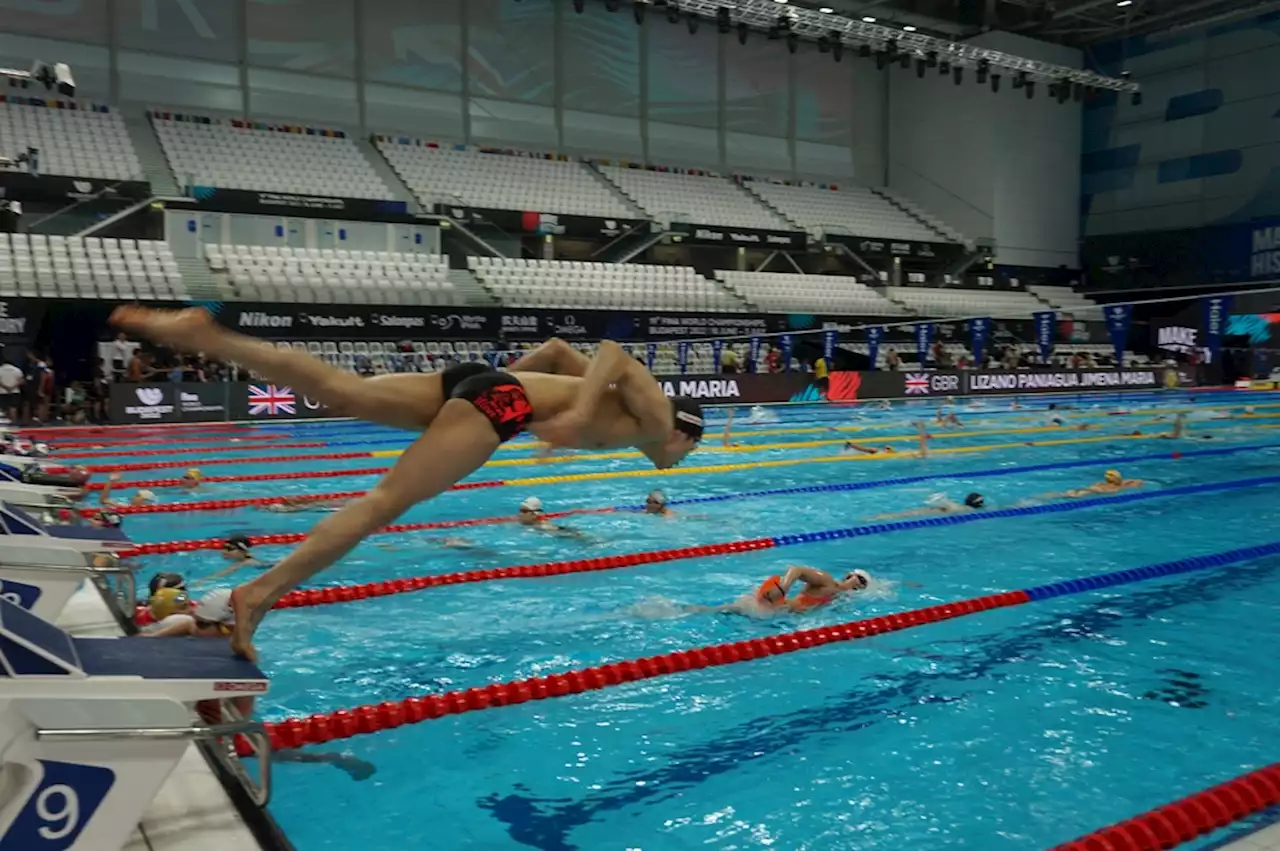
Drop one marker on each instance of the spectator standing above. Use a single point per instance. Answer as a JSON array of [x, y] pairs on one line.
[[892, 361], [99, 391], [139, 368], [122, 351], [11, 379]]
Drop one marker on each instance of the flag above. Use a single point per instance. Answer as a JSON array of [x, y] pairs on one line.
[[682, 355], [1118, 317], [717, 348], [917, 383], [924, 335], [1044, 332], [1216, 309], [788, 343], [978, 329], [874, 335], [270, 400]]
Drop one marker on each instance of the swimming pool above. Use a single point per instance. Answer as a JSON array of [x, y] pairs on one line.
[[1010, 729]]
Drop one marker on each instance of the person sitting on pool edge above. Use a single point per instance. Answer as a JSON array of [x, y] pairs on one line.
[[940, 505], [464, 413], [532, 516], [212, 617], [820, 588]]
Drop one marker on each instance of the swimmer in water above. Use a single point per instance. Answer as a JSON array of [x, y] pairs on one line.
[[656, 503], [820, 588], [238, 550], [726, 439], [947, 420], [1112, 482], [922, 452], [532, 516], [298, 505], [972, 502], [191, 479], [142, 497]]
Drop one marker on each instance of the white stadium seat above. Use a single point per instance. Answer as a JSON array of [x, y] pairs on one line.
[[853, 210], [40, 266], [81, 142], [698, 199], [327, 276], [500, 182], [213, 152], [581, 285], [782, 293], [964, 302]]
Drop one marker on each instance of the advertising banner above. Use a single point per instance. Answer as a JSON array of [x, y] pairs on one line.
[[1044, 333], [53, 189], [874, 335], [924, 336], [287, 204], [682, 356], [745, 389], [1215, 309], [143, 403], [829, 340], [978, 330], [1177, 335], [542, 224], [1118, 318], [782, 240], [261, 401], [873, 249], [1063, 381], [788, 343], [20, 320], [190, 402]]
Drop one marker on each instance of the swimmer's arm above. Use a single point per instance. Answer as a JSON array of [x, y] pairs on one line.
[[641, 395], [808, 575], [104, 496], [182, 627], [230, 570], [924, 440], [726, 439]]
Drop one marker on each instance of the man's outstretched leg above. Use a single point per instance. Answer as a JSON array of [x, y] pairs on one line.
[[403, 401], [457, 444]]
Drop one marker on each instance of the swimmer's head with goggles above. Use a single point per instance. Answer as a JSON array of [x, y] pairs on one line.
[[1113, 477], [237, 548], [655, 503], [975, 501], [531, 513]]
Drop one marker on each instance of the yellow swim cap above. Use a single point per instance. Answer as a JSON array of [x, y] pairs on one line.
[[1113, 477], [194, 473], [167, 601]]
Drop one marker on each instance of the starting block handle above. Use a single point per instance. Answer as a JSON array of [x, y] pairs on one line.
[[254, 733]]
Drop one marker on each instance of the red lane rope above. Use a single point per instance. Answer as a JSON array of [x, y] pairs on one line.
[[249, 502], [210, 462], [372, 718], [142, 453], [366, 590], [138, 441], [1186, 819], [167, 547], [135, 430]]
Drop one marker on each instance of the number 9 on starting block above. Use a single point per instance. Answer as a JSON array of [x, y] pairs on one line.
[[60, 806]]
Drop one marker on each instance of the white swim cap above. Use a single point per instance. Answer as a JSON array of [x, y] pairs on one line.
[[40, 448], [215, 607], [863, 575], [147, 496], [531, 504], [657, 496]]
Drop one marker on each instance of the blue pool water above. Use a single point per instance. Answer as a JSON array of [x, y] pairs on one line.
[[1012, 729]]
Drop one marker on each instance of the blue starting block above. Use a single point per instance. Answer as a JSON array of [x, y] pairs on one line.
[[91, 727]]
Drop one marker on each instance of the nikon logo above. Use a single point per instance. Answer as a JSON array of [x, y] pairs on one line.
[[257, 319]]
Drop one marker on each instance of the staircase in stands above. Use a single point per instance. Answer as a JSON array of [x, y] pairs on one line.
[[469, 287], [198, 278], [155, 167], [400, 191]]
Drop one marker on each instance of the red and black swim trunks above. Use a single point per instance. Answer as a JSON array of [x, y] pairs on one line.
[[496, 394]]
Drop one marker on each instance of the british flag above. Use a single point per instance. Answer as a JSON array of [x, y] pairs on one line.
[[917, 384], [270, 400]]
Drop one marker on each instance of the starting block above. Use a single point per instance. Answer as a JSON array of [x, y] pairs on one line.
[[90, 728], [42, 566]]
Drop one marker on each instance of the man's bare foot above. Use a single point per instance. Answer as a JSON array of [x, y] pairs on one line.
[[183, 330], [249, 608]]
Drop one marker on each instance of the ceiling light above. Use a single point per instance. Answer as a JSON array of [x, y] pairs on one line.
[[779, 1], [1123, 3], [909, 28], [826, 10], [868, 19]]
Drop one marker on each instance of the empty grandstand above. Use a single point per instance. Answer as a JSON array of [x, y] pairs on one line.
[[472, 178], [40, 266], [694, 198], [566, 284], [72, 139], [958, 302], [849, 209], [288, 158], [782, 293], [325, 276]]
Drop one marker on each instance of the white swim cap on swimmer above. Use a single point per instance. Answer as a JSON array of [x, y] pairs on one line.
[[863, 575], [40, 448], [531, 504], [657, 496], [147, 496], [215, 607]]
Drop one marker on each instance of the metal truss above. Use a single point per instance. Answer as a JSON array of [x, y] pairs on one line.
[[780, 18]]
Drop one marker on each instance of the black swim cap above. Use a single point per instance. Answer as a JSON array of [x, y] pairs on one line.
[[166, 580], [237, 542], [974, 500], [687, 415]]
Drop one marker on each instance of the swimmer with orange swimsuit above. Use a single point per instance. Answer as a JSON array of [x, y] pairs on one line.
[[820, 588]]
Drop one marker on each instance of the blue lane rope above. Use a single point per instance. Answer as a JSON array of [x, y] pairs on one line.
[[971, 474], [1151, 571], [1025, 511]]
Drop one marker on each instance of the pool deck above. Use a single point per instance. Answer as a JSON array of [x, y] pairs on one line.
[[191, 812], [1260, 832]]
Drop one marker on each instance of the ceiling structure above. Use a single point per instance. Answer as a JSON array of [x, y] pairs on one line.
[[1075, 22]]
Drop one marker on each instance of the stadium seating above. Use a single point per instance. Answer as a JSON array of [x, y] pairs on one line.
[[313, 275], [1066, 298], [697, 199], [577, 285], [853, 210], [40, 266], [213, 152], [82, 142], [957, 302], [781, 293], [500, 182]]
